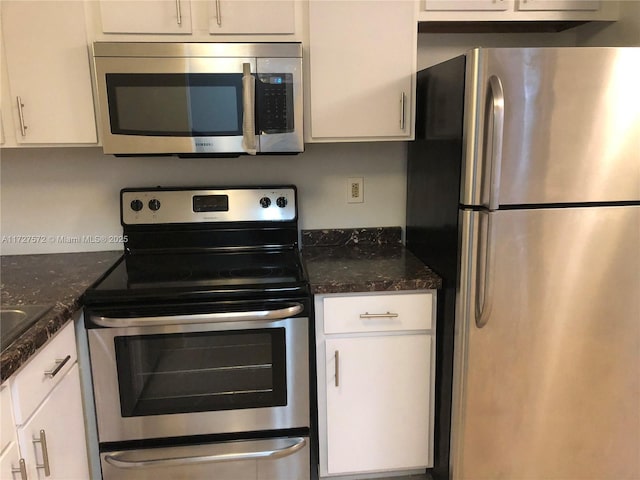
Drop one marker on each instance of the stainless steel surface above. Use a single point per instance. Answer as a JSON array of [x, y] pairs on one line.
[[191, 50], [16, 319], [403, 101], [494, 149], [484, 270], [550, 387], [59, 364], [113, 427], [177, 206], [218, 13], [473, 125], [569, 134], [23, 127], [263, 315], [378, 315], [336, 358], [158, 57], [22, 469], [292, 466], [42, 440], [249, 141], [178, 13], [182, 456]]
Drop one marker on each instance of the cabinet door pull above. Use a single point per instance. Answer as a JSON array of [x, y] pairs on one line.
[[23, 127], [22, 470], [179, 12], [403, 102], [378, 315], [336, 356], [59, 364], [45, 453], [218, 13]]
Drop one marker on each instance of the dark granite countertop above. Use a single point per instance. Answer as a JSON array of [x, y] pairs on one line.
[[58, 279], [363, 260]]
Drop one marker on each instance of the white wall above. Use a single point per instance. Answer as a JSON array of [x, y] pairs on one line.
[[75, 191]]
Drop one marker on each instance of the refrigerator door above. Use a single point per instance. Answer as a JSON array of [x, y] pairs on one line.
[[549, 387], [551, 126]]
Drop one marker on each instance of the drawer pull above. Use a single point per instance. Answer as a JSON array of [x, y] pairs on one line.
[[336, 356], [59, 364], [378, 315], [45, 453], [22, 470]]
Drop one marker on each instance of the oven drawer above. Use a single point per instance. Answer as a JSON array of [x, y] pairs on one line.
[[266, 459], [379, 312]]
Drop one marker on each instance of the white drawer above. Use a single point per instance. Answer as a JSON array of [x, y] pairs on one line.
[[378, 313], [32, 384], [7, 427]]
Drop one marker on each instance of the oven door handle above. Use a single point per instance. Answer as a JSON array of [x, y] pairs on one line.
[[142, 459], [260, 315]]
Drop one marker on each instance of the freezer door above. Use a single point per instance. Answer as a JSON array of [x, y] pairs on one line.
[[552, 125], [549, 386]]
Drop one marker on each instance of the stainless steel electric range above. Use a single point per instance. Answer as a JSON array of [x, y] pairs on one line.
[[199, 338]]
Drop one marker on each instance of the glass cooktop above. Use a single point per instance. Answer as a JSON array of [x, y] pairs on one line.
[[183, 273]]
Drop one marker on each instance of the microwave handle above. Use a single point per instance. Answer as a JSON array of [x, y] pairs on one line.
[[248, 109], [257, 315]]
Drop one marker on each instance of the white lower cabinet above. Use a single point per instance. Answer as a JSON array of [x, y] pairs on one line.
[[10, 463], [47, 417], [54, 436], [375, 359]]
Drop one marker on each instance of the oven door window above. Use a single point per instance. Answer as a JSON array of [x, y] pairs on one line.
[[204, 371], [177, 105]]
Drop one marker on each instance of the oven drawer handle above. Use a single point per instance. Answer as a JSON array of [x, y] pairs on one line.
[[129, 459], [261, 315]]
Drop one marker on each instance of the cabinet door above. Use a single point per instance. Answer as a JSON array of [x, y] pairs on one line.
[[48, 66], [61, 419], [9, 461], [466, 5], [361, 57], [378, 403], [563, 5], [251, 17], [146, 16]]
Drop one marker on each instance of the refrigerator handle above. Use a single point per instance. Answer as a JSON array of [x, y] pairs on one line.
[[484, 259], [494, 152]]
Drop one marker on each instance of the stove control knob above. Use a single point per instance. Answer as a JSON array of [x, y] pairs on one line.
[[282, 202], [154, 204], [265, 202], [136, 205]]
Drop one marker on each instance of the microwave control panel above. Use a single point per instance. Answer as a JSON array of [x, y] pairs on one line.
[[274, 102]]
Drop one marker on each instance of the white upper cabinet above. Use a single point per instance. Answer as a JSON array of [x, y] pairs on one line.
[[517, 10], [567, 5], [198, 19], [470, 5], [47, 65], [251, 17], [361, 70], [146, 16]]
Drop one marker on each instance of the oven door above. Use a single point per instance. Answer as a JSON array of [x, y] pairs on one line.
[[178, 377]]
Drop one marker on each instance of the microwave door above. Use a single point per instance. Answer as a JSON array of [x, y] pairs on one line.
[[148, 108]]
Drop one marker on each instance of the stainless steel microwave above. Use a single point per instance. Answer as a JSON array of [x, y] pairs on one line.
[[199, 99]]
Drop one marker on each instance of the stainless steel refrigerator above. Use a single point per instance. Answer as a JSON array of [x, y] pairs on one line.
[[524, 194]]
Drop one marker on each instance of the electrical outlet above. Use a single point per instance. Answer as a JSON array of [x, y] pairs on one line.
[[355, 190]]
